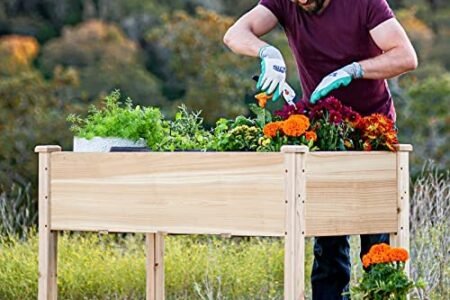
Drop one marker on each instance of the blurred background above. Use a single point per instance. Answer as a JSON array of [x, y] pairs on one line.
[[59, 56]]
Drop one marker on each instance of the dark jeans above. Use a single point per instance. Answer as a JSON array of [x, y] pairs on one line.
[[331, 269]]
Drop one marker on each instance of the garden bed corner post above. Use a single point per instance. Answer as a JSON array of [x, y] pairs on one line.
[[295, 198], [401, 237], [48, 240]]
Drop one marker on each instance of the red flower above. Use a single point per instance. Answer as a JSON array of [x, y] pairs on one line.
[[289, 110], [335, 117]]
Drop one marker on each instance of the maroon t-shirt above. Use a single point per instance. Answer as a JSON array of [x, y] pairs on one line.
[[338, 36]]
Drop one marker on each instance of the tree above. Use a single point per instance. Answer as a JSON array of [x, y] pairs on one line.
[[105, 59]]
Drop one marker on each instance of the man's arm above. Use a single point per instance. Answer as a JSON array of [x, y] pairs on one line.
[[243, 36], [399, 55]]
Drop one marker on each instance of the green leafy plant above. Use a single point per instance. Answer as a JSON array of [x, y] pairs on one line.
[[116, 119], [186, 132], [241, 134]]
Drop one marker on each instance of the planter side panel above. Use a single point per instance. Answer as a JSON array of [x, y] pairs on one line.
[[351, 193], [210, 193]]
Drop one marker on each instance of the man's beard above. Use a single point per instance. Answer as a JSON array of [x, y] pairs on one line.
[[312, 6]]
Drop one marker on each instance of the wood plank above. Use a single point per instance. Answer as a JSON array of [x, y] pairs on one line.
[[48, 240], [351, 193], [221, 193], [289, 261], [210, 193], [402, 237], [295, 192], [159, 266], [150, 266]]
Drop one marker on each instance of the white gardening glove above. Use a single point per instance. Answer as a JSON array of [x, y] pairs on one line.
[[273, 72], [341, 77]]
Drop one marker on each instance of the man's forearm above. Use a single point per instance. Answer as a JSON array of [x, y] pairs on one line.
[[389, 64], [243, 41]]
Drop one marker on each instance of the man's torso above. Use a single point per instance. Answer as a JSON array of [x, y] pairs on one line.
[[338, 36]]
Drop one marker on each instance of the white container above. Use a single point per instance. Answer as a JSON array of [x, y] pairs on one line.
[[103, 144]]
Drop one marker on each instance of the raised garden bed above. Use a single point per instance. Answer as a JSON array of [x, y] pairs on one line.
[[291, 194]]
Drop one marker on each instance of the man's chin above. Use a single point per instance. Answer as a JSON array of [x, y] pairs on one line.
[[313, 7]]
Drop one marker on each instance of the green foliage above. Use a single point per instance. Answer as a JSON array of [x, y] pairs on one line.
[[18, 211], [424, 119], [330, 137], [116, 119], [186, 132], [240, 134], [387, 281], [213, 78], [105, 60], [31, 113]]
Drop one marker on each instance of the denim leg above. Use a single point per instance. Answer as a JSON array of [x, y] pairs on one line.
[[331, 269], [368, 240]]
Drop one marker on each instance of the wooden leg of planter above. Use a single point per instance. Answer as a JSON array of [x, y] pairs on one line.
[[155, 266], [295, 193], [48, 240], [401, 238]]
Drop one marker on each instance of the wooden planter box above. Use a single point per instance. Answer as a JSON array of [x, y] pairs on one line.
[[292, 194]]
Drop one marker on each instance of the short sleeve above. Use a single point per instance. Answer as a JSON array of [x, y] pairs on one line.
[[276, 7], [378, 11]]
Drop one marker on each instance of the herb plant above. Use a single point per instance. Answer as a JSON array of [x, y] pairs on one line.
[[122, 120], [186, 132]]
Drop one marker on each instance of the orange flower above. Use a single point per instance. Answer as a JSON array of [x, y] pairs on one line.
[[311, 135], [383, 253], [271, 129], [262, 99], [295, 125]]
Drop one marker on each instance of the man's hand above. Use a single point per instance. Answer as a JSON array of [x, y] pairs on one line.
[[273, 72], [335, 80]]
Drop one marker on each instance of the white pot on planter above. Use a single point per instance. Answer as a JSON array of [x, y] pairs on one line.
[[103, 144]]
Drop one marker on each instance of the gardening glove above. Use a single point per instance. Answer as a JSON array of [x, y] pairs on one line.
[[273, 72], [341, 77]]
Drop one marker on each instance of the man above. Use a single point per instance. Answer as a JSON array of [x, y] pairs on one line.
[[344, 48]]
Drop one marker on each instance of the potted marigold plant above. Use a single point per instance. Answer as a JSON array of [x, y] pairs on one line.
[[385, 278]]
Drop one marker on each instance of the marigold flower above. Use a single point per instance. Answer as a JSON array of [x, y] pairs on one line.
[[271, 129], [296, 125], [311, 135], [383, 253], [262, 99]]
